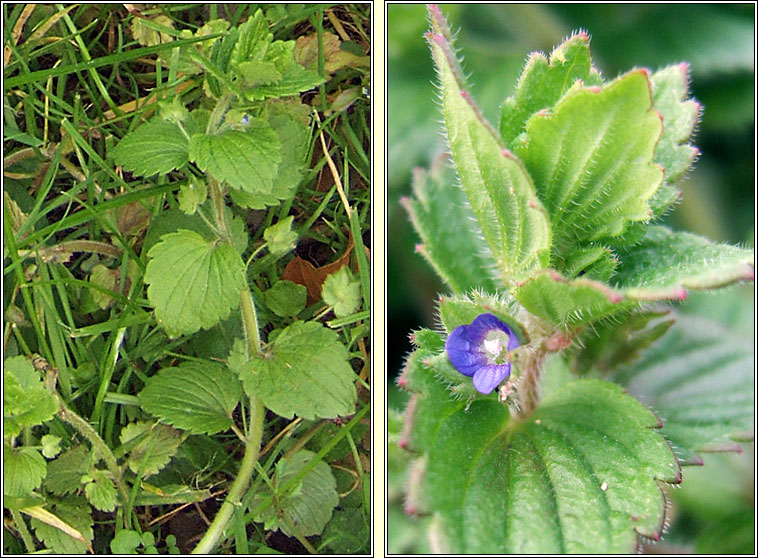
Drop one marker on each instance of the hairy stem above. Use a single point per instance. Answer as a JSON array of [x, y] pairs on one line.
[[528, 387], [233, 499]]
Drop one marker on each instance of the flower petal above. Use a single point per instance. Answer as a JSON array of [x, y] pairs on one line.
[[465, 355], [483, 324], [488, 377]]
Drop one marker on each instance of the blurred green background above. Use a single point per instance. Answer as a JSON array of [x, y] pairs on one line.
[[718, 196]]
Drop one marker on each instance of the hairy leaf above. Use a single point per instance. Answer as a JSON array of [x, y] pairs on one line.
[[460, 258], [197, 397], [100, 491], [156, 147], [342, 292], [680, 114], [570, 303], [64, 474], [286, 298], [26, 401], [582, 470], [156, 446], [304, 372], [499, 190], [193, 283], [591, 159], [247, 160], [305, 509], [23, 470], [664, 264], [73, 515], [543, 82], [699, 379]]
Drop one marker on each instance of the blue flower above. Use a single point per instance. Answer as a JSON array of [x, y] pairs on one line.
[[481, 350]]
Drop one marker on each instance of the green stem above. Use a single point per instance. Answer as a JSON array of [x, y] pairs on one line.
[[233, 499], [84, 428], [216, 530], [18, 520], [217, 198]]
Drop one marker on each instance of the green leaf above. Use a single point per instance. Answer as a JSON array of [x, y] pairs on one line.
[[680, 114], [64, 474], [192, 195], [618, 340], [304, 372], [342, 292], [290, 120], [543, 83], [155, 445], [570, 303], [499, 190], [348, 532], [75, 512], [699, 379], [26, 401], [197, 397], [258, 72], [305, 509], [459, 258], [51, 445], [591, 159], [174, 220], [254, 39], [247, 160], [23, 470], [126, 541], [156, 147], [295, 79], [582, 470], [664, 264], [193, 283], [280, 237], [105, 278], [286, 298], [100, 491]]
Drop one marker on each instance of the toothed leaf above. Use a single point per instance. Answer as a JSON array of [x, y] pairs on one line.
[[680, 114], [499, 190], [23, 470], [197, 397], [67, 528], [591, 159], [664, 264], [569, 303], [543, 82], [308, 506], [246, 160], [193, 283], [303, 372], [156, 446], [156, 147], [26, 401], [460, 259], [100, 491], [583, 470], [700, 380]]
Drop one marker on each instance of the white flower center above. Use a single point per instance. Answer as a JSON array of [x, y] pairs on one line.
[[492, 346], [495, 346]]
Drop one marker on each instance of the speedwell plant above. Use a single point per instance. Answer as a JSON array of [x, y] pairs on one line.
[[525, 414], [246, 143]]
